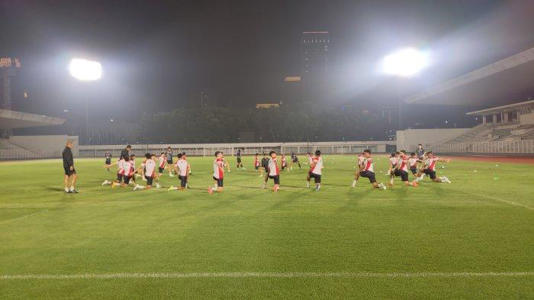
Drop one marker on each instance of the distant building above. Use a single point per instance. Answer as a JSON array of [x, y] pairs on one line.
[[314, 47], [267, 105], [8, 68]]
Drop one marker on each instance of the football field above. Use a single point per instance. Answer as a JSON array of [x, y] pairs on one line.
[[473, 238]]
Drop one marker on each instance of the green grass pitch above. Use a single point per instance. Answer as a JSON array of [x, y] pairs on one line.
[[424, 242]]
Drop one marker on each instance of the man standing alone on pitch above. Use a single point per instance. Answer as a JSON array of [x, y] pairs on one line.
[[68, 165]]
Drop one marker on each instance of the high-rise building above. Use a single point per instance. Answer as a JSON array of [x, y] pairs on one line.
[[314, 47]]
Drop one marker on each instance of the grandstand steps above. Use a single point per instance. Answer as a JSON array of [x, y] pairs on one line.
[[10, 151]]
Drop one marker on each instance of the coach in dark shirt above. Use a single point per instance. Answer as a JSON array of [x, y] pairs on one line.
[[125, 152], [70, 172]]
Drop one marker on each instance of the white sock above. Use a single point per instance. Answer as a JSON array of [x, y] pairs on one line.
[[72, 188], [138, 187], [307, 184], [66, 189], [354, 182]]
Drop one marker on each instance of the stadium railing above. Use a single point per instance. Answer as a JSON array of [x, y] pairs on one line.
[[246, 148]]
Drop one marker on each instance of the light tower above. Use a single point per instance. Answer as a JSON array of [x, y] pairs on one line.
[[87, 71]]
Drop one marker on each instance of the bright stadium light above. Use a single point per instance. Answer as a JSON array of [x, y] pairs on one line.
[[85, 70], [405, 62]]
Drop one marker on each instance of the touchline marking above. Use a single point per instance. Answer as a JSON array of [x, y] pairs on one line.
[[507, 202], [264, 275]]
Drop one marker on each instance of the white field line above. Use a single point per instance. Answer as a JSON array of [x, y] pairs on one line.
[[265, 275], [23, 217], [507, 202]]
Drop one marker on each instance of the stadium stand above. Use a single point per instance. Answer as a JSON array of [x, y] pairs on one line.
[[29, 147], [504, 129], [10, 151]]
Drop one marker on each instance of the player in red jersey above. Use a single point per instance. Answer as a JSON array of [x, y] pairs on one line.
[[127, 171], [367, 170], [402, 169], [257, 163], [149, 172], [393, 171], [361, 158], [413, 161], [273, 171], [182, 169], [316, 172], [430, 168], [162, 162], [218, 173], [284, 163]]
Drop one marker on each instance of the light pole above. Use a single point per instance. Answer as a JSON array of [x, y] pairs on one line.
[[405, 63], [85, 70]]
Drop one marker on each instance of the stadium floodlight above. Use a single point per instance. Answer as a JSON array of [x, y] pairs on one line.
[[85, 70], [405, 62]]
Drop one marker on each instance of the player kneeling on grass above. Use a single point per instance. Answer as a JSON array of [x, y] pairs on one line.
[[274, 171], [402, 170], [218, 173], [393, 170], [182, 169], [149, 172], [162, 160], [127, 173], [120, 171], [361, 158], [412, 162], [316, 168], [367, 170], [430, 168]]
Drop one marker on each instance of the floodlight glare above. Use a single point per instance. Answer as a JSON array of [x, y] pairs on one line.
[[85, 70], [405, 62]]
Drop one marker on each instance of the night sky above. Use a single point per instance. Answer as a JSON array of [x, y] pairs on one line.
[[157, 55]]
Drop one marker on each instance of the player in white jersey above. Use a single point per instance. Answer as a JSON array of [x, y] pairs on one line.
[[284, 163], [367, 170], [413, 161], [361, 159], [316, 168], [162, 162], [402, 169], [182, 169], [309, 157], [430, 168], [273, 171], [134, 169], [119, 172], [149, 172], [393, 170], [218, 173], [127, 170], [257, 163]]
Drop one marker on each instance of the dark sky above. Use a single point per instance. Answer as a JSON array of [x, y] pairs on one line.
[[156, 54]]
